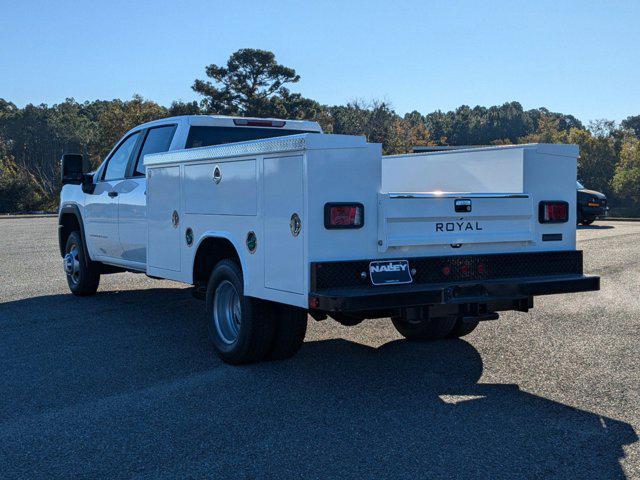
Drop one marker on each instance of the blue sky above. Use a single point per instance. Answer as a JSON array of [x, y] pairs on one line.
[[578, 57]]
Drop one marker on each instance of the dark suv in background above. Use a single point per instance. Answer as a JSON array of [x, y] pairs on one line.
[[591, 205]]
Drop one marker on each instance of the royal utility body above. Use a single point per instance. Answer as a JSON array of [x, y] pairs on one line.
[[272, 220]]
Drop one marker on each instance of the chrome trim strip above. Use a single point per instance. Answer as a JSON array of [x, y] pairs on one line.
[[456, 195]]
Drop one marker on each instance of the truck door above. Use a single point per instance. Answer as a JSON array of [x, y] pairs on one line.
[[101, 207], [283, 204], [132, 196], [132, 219]]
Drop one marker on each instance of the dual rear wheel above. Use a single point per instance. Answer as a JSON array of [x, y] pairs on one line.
[[244, 329], [434, 328]]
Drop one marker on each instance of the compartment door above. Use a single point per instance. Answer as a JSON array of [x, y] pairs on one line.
[[163, 197], [283, 197]]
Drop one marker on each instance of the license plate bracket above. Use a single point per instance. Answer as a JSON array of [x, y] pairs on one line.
[[389, 272]]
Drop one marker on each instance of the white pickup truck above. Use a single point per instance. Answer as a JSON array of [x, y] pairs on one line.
[[272, 220]]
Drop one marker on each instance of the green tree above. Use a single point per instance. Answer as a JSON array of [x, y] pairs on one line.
[[597, 161], [120, 116], [184, 108], [252, 84], [19, 190], [548, 131], [633, 124], [380, 124], [626, 181]]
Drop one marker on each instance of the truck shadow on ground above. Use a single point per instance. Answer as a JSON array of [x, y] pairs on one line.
[[124, 383]]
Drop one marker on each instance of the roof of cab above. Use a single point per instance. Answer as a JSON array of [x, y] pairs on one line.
[[228, 121]]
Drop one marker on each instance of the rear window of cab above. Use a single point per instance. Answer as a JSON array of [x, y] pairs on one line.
[[206, 136]]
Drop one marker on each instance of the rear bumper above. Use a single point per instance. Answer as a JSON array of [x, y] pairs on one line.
[[484, 292]]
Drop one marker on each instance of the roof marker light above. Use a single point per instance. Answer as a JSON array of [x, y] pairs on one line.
[[245, 122]]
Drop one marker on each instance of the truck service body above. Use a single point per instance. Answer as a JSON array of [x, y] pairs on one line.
[[272, 219]]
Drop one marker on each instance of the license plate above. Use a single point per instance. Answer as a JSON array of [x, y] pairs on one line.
[[386, 272]]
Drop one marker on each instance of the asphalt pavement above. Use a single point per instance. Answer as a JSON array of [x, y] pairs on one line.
[[125, 385]]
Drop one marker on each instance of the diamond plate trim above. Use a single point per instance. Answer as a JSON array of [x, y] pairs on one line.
[[277, 144]]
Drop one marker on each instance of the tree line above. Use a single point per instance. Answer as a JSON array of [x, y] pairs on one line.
[[253, 83]]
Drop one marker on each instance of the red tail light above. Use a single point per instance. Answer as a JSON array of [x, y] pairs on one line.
[[343, 215], [553, 212]]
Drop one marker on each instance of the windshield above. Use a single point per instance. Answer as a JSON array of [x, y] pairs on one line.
[[205, 136], [580, 186]]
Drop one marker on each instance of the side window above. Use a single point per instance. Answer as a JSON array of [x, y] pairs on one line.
[[117, 164], [158, 140]]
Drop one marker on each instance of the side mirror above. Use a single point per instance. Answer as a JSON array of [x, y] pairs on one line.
[[87, 183], [72, 168]]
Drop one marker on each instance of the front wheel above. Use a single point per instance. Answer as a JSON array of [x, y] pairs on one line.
[[588, 221], [83, 275], [424, 328], [240, 328]]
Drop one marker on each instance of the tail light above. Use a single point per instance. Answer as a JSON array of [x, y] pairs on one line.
[[553, 212], [343, 215]]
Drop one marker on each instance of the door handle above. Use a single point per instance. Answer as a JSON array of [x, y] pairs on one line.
[[113, 194]]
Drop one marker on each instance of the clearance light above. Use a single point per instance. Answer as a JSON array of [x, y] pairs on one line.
[[244, 122], [553, 212], [343, 215]]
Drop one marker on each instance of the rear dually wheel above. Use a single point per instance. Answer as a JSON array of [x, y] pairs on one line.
[[425, 328], [241, 328]]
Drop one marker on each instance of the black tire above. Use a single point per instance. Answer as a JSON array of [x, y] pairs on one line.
[[290, 329], [255, 327], [462, 328], [83, 275], [588, 221], [579, 217], [426, 329]]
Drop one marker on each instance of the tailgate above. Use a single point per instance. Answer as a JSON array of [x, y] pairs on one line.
[[413, 219]]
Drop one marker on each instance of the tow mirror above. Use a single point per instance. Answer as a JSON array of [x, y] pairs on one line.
[[72, 168]]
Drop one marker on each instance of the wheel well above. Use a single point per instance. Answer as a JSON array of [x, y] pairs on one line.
[[209, 253], [68, 223]]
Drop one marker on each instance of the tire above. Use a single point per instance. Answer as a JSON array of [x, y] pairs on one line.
[[83, 276], [240, 328], [588, 221], [462, 328], [426, 329], [579, 217], [290, 329]]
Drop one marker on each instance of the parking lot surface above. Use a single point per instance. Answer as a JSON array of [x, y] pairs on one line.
[[124, 384]]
